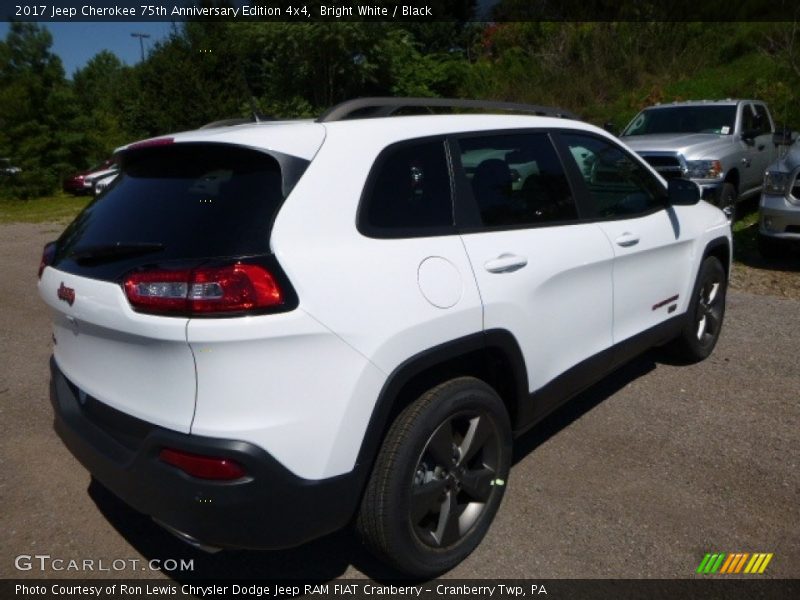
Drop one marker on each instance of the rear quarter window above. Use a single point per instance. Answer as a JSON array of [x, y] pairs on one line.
[[408, 192]]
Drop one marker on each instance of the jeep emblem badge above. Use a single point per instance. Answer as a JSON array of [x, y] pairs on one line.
[[67, 294]]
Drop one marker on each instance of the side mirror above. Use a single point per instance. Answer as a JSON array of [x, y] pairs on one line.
[[610, 127], [683, 192], [782, 136]]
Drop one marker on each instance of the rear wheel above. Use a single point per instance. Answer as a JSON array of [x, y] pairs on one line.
[[438, 479], [706, 312]]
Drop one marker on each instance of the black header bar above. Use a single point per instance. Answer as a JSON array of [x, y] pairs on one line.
[[45, 11]]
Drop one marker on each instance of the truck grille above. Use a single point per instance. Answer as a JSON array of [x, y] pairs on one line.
[[667, 166]]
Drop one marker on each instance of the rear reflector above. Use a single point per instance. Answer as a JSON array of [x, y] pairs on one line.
[[233, 288], [48, 254], [203, 467]]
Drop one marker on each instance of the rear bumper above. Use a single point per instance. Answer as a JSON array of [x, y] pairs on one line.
[[270, 508]]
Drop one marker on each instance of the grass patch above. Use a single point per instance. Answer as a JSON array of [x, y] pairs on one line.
[[59, 207], [745, 234]]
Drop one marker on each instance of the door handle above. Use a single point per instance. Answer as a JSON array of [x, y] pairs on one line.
[[506, 263], [627, 239]]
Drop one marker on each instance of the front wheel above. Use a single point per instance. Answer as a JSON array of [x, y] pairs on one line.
[[706, 312], [727, 201], [438, 479]]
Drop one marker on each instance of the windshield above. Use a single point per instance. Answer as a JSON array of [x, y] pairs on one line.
[[684, 119]]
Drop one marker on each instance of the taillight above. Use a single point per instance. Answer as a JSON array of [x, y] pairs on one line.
[[203, 467], [234, 288], [48, 254]]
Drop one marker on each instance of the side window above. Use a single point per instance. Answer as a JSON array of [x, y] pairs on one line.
[[517, 179], [762, 119], [748, 119], [755, 119], [409, 193], [617, 184]]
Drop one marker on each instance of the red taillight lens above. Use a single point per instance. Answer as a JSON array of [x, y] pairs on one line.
[[48, 254], [203, 467], [234, 288], [159, 291]]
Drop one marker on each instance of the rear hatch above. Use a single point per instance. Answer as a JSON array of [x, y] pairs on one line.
[[116, 279]]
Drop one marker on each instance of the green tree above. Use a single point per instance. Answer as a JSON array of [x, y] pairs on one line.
[[105, 94], [36, 103]]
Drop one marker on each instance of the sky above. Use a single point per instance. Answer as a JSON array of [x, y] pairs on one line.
[[77, 42]]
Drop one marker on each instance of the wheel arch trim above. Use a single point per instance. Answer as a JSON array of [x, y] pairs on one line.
[[713, 247], [499, 342]]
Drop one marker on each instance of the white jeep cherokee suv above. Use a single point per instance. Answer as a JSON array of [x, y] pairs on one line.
[[263, 332]]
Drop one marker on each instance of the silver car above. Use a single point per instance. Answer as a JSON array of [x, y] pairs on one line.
[[779, 209]]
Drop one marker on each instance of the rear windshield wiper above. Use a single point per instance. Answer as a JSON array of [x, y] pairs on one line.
[[102, 252]]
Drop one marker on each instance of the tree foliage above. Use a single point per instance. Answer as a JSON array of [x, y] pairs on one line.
[[209, 70], [35, 102]]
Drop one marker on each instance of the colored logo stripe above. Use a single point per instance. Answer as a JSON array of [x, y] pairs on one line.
[[722, 563], [711, 562], [758, 563], [734, 563]]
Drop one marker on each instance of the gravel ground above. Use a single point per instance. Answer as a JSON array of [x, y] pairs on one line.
[[782, 279], [638, 477]]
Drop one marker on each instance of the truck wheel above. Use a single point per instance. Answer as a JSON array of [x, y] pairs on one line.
[[727, 201], [705, 314], [438, 479], [769, 248]]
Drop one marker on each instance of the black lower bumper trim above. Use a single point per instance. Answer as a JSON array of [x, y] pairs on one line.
[[270, 508]]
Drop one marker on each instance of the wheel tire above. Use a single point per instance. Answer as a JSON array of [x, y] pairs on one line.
[[769, 248], [727, 201], [446, 454], [706, 312]]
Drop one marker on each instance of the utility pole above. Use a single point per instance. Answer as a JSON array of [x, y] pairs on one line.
[[141, 37]]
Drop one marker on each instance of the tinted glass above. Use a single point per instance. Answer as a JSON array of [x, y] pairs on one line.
[[763, 118], [684, 119], [410, 193], [618, 185], [755, 119], [517, 179], [195, 200]]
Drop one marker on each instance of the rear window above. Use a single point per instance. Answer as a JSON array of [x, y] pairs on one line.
[[190, 200]]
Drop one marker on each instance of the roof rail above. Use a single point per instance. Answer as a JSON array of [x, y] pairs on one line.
[[366, 108]]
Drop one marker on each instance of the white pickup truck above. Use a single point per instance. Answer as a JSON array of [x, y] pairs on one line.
[[723, 145]]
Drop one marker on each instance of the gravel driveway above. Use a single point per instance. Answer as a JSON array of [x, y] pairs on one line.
[[638, 477]]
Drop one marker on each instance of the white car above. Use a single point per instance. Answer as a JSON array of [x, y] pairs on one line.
[[264, 332], [90, 181], [102, 183]]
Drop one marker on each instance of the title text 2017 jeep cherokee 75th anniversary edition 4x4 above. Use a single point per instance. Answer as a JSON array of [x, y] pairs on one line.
[[266, 331]]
